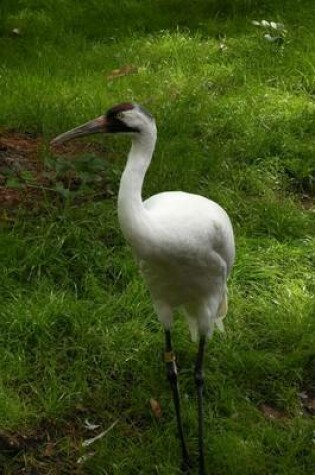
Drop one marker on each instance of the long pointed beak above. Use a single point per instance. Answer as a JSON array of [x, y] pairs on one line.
[[94, 126]]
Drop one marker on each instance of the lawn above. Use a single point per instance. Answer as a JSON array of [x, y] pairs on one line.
[[80, 346]]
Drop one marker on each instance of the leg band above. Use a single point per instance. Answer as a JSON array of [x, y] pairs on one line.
[[169, 357]]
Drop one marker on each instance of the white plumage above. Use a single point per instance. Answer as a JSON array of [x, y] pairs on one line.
[[184, 242]]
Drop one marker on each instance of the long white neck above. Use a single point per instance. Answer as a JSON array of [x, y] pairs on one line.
[[133, 217]]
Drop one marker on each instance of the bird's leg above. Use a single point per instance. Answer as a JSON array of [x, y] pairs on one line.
[[199, 380], [171, 369]]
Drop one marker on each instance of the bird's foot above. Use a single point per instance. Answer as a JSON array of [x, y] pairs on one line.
[[202, 470], [186, 465]]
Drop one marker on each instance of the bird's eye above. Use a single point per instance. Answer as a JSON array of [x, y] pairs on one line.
[[120, 115]]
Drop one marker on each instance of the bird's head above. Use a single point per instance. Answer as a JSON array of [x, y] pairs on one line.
[[124, 118]]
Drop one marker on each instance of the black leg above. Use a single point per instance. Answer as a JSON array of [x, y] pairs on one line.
[[199, 379], [171, 369]]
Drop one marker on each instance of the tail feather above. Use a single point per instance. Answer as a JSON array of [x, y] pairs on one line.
[[223, 309], [193, 321], [193, 328]]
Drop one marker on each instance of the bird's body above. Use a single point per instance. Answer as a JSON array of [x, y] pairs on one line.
[[189, 257], [183, 242]]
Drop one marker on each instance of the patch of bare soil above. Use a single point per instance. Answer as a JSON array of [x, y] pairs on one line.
[[308, 202], [307, 404], [271, 412], [41, 451], [17, 155], [54, 448], [27, 180]]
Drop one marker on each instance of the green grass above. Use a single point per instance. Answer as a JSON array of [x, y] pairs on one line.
[[78, 335]]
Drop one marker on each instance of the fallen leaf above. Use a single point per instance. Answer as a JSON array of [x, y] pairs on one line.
[[274, 39], [123, 71], [89, 426], [265, 23], [85, 457], [222, 47], [49, 449], [88, 442], [16, 32], [156, 408]]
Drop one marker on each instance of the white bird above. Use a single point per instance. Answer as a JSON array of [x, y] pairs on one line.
[[183, 242]]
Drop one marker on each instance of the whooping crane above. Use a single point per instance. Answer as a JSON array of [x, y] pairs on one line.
[[184, 245]]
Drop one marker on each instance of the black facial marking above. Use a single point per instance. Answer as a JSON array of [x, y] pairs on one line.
[[114, 124]]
